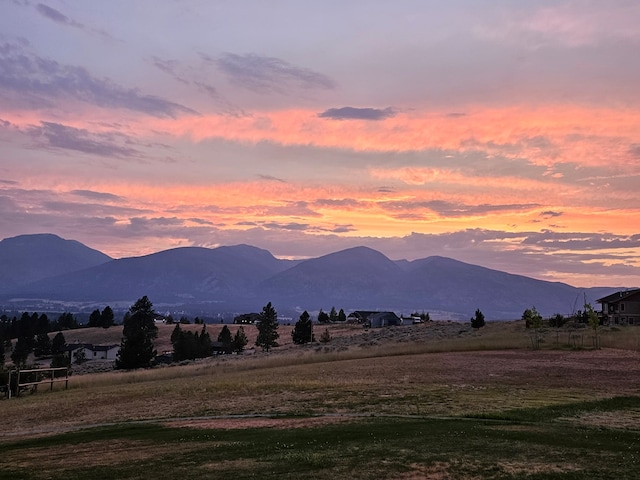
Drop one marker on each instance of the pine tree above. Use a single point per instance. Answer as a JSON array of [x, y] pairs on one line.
[[58, 343], [303, 330], [342, 317], [225, 338], [267, 328], [240, 340], [139, 331], [94, 319], [333, 315], [42, 346], [205, 349], [478, 320], [323, 317], [22, 349], [325, 337], [106, 317]]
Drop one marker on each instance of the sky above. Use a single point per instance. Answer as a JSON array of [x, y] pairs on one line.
[[497, 132]]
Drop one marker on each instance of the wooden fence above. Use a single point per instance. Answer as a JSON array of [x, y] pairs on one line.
[[43, 376]]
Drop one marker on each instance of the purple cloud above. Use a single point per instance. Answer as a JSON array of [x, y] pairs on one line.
[[270, 75], [37, 82], [353, 113]]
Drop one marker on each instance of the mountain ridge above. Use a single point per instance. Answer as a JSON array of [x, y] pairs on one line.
[[242, 278]]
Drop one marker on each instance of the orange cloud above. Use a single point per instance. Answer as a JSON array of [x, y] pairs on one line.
[[544, 135]]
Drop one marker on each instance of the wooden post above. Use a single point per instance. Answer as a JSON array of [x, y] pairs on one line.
[[18, 384]]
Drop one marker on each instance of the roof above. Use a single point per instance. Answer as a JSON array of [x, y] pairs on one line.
[[621, 295], [70, 347], [384, 315], [362, 314]]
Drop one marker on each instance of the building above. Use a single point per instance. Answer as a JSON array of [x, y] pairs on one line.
[[92, 352], [371, 319], [621, 308]]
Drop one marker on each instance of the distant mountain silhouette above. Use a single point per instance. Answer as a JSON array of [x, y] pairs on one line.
[[452, 285], [243, 278], [357, 276], [180, 275], [28, 258]]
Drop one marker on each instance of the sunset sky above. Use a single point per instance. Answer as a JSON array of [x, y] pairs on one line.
[[497, 132]]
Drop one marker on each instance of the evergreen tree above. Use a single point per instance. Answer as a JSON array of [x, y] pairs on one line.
[[65, 322], [107, 317], [225, 338], [24, 346], [325, 337], [323, 317], [42, 346], [342, 317], [139, 331], [303, 330], [333, 315], [240, 340], [478, 320], [2, 357], [267, 328], [58, 343], [94, 319], [205, 349], [175, 334]]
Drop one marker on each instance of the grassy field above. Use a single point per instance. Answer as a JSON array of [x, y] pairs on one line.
[[467, 405]]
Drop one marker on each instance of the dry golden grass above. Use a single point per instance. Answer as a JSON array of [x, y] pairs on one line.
[[441, 374]]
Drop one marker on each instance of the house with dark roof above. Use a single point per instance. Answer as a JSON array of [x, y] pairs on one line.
[[621, 308], [371, 319], [93, 352]]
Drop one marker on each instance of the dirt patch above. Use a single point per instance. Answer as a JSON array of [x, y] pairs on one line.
[[72, 456], [259, 422], [627, 419]]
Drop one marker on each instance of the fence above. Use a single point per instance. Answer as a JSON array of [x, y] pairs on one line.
[[41, 376]]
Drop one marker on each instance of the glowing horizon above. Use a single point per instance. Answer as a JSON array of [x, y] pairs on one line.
[[507, 137]]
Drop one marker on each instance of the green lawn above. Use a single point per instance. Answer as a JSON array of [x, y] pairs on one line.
[[531, 444]]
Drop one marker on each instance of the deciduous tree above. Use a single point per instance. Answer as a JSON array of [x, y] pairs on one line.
[[532, 319], [594, 322]]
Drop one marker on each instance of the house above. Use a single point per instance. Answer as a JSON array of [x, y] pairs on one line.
[[621, 308], [376, 319], [92, 352]]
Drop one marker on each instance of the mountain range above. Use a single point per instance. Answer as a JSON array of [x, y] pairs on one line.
[[242, 278]]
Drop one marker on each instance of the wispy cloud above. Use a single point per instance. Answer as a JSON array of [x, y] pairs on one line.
[[270, 75], [57, 16], [69, 138], [38, 82], [451, 209], [353, 113], [109, 197]]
